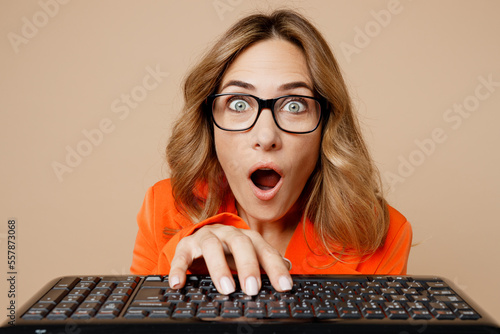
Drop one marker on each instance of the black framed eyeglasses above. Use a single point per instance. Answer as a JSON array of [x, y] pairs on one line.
[[239, 112]]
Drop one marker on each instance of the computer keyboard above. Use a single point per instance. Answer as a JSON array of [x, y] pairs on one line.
[[316, 304]]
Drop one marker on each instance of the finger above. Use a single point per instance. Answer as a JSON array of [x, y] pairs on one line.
[[247, 265], [215, 260], [185, 253], [275, 266]]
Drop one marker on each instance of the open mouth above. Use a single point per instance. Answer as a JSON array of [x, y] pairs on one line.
[[265, 178]]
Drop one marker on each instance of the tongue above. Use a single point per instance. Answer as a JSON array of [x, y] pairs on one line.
[[265, 178]]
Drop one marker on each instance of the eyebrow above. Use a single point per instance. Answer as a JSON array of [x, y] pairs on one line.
[[295, 84], [284, 87], [239, 83]]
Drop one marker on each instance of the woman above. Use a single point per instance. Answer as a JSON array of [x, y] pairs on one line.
[[268, 170]]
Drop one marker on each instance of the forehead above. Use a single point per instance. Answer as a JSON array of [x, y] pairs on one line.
[[269, 64]]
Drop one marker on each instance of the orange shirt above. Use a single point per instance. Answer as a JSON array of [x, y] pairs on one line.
[[154, 250]]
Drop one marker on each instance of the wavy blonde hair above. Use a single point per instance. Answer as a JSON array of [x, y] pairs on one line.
[[342, 196]]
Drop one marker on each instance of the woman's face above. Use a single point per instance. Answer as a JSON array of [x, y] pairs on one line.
[[266, 167]]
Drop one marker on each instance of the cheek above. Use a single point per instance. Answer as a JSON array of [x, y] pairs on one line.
[[307, 159], [229, 153]]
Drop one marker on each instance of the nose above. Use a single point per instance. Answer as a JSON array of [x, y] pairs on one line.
[[265, 133]]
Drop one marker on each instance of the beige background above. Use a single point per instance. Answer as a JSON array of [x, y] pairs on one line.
[[64, 70]]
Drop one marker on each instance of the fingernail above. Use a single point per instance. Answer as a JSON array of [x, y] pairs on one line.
[[174, 281], [226, 285], [251, 286], [285, 284]]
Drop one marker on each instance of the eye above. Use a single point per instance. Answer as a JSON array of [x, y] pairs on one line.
[[295, 107], [238, 105]]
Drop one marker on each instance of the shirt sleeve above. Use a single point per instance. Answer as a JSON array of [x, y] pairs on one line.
[[392, 257], [154, 249], [145, 254], [168, 251]]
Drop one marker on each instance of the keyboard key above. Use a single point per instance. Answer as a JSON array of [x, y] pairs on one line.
[[73, 298], [286, 297], [255, 310], [397, 298], [392, 306], [348, 310], [176, 299], [35, 314], [173, 292], [265, 297], [155, 284], [210, 313], [231, 309], [388, 291], [302, 310], [85, 285], [376, 298], [67, 283], [448, 299], [325, 310], [394, 285], [43, 306], [467, 315], [100, 292], [371, 311], [106, 314], [58, 315], [161, 313], [66, 307], [278, 309], [53, 296], [136, 314], [184, 310], [126, 285], [444, 314], [198, 298], [120, 279], [83, 314], [420, 314], [459, 306], [112, 306], [150, 306], [397, 314], [91, 279], [208, 310], [374, 285], [150, 295], [220, 298], [106, 285], [117, 298], [415, 285], [79, 292], [95, 299], [409, 292], [90, 306], [437, 306], [437, 285]]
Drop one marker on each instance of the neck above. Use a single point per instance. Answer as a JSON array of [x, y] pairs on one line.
[[278, 232]]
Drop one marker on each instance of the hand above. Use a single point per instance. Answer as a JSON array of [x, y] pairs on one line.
[[223, 248]]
